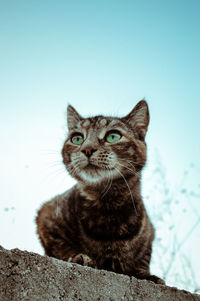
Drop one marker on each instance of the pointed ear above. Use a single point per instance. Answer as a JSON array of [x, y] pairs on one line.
[[73, 117], [138, 119]]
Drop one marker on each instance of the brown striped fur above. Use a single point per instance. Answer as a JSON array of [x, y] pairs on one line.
[[101, 221]]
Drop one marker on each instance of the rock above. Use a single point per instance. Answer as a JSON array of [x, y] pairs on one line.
[[29, 276]]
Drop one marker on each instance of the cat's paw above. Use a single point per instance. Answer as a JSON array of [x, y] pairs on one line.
[[82, 259], [149, 277], [155, 279]]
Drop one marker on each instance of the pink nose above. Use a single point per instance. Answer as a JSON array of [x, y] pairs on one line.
[[88, 151]]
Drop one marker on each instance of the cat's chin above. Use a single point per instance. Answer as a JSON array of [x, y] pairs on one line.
[[94, 175]]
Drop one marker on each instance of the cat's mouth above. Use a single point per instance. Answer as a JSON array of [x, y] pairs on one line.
[[93, 167]]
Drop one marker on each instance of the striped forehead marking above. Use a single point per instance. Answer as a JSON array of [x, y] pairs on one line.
[[102, 128], [102, 133], [86, 123], [114, 122], [103, 122]]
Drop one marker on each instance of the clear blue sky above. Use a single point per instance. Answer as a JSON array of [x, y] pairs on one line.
[[102, 57]]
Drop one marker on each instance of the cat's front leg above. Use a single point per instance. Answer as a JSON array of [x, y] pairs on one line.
[[82, 259]]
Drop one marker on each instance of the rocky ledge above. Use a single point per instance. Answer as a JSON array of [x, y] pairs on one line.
[[29, 276]]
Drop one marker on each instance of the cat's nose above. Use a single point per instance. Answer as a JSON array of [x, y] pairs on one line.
[[89, 151]]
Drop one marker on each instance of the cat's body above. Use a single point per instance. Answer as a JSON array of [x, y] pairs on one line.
[[101, 222]]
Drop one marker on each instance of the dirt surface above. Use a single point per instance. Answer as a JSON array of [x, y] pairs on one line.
[[29, 276]]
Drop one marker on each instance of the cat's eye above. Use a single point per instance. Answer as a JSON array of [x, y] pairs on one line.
[[113, 136], [77, 139]]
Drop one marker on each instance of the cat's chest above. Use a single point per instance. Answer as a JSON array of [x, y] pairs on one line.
[[109, 225]]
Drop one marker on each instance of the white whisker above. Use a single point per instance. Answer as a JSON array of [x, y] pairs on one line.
[[132, 162], [108, 186], [128, 189], [132, 171]]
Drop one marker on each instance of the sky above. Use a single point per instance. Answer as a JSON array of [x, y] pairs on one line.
[[102, 57]]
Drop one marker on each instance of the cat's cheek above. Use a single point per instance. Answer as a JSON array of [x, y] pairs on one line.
[[66, 154], [130, 151], [66, 159], [79, 160]]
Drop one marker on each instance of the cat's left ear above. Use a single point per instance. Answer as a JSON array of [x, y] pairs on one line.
[[138, 118], [73, 117]]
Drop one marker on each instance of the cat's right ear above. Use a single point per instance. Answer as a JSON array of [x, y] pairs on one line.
[[73, 117]]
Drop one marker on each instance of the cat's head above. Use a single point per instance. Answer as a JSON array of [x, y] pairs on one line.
[[101, 148]]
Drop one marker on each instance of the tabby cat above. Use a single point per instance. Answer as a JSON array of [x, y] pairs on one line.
[[101, 222]]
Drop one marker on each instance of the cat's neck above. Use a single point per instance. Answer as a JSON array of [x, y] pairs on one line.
[[118, 191]]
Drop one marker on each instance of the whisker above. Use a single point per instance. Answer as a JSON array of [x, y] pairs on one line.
[[105, 188], [74, 169], [132, 171], [108, 186], [54, 164], [50, 153], [130, 161], [53, 175], [128, 189]]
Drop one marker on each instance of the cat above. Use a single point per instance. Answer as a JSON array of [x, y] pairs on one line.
[[101, 222]]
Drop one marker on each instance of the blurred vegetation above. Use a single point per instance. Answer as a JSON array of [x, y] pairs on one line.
[[175, 213]]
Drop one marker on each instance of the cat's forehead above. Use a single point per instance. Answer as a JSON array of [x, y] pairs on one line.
[[100, 122]]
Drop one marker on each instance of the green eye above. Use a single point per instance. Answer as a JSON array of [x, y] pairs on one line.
[[113, 136], [77, 139]]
